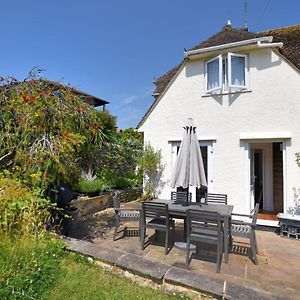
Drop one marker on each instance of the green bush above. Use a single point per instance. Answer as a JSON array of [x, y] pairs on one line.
[[122, 182], [91, 186], [113, 180], [22, 212], [119, 157], [151, 166]]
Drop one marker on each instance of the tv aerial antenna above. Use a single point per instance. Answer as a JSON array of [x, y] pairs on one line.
[[246, 14]]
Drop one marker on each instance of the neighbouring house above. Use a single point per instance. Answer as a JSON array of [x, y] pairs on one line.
[[243, 91], [87, 98], [54, 86]]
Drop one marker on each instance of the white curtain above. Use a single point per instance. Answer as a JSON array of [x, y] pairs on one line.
[[238, 71], [213, 74]]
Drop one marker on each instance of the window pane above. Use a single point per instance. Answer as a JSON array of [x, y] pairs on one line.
[[238, 71], [213, 75], [200, 193], [204, 158]]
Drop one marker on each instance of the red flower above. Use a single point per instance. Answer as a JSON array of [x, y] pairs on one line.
[[21, 120], [24, 98], [31, 99]]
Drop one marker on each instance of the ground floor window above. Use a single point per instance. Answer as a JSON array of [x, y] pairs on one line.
[[206, 148]]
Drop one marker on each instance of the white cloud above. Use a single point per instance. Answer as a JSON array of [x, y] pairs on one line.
[[142, 95], [130, 99], [148, 93]]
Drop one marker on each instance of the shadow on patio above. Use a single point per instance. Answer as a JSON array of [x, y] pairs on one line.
[[275, 276]]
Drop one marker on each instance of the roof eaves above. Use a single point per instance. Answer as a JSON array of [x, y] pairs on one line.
[[156, 101], [268, 39]]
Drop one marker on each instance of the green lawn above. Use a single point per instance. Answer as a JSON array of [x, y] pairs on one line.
[[44, 270]]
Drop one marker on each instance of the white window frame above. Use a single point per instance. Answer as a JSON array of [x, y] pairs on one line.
[[225, 87], [210, 157], [233, 86], [219, 58]]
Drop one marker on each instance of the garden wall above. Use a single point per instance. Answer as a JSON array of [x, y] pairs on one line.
[[89, 205]]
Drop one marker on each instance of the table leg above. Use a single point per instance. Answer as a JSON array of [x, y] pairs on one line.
[[226, 238], [184, 228]]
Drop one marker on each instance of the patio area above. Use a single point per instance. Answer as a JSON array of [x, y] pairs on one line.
[[275, 277]]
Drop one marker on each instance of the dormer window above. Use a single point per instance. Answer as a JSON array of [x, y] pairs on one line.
[[226, 73]]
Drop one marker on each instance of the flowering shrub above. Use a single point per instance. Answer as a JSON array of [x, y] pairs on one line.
[[45, 127]]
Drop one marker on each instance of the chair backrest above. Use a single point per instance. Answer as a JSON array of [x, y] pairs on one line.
[[216, 198], [254, 214], [116, 201], [181, 196], [155, 210], [206, 220]]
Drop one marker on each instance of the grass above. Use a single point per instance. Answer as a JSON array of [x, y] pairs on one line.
[[84, 280], [44, 270]]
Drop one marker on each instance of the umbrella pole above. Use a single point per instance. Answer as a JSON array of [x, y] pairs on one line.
[[189, 129]]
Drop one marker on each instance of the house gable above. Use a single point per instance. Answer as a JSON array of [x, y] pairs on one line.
[[290, 36]]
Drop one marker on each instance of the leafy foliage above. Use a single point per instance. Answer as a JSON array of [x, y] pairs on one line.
[[298, 159], [91, 186], [117, 160], [22, 212], [89, 158], [45, 128], [152, 168]]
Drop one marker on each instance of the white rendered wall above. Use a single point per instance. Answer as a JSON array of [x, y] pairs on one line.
[[272, 106]]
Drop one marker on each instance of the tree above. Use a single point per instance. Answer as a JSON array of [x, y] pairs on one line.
[[90, 158], [45, 128], [118, 158]]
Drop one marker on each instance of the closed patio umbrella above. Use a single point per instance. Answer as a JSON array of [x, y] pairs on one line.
[[189, 168]]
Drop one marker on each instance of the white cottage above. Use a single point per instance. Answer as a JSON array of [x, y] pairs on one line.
[[243, 91]]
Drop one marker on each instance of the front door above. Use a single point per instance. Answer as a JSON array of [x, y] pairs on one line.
[[261, 176]]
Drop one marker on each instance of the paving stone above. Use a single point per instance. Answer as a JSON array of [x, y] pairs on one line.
[[86, 248], [234, 291], [276, 274], [195, 281], [143, 266]]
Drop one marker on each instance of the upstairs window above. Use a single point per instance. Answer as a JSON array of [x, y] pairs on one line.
[[214, 74], [226, 73]]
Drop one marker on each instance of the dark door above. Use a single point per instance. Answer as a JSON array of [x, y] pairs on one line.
[[258, 175]]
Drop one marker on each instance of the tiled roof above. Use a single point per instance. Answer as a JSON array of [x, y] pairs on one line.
[[87, 98], [290, 36]]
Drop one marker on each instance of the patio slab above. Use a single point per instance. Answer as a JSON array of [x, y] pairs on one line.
[[140, 265], [235, 291], [89, 249], [275, 277], [195, 281]]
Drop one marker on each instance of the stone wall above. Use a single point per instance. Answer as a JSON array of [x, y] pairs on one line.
[[129, 195], [89, 205]]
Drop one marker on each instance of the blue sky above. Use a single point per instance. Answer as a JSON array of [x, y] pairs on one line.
[[113, 49]]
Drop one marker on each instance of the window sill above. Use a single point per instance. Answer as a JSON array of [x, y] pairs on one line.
[[226, 93]]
